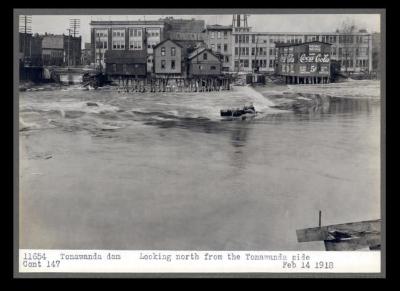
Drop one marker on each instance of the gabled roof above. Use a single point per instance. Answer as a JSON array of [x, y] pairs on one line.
[[279, 44], [187, 45], [199, 51], [164, 41]]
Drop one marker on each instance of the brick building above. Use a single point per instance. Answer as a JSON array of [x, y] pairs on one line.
[[257, 49], [125, 35], [61, 50], [219, 40], [133, 35]]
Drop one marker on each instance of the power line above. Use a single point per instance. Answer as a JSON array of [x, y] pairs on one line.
[[25, 22], [74, 25]]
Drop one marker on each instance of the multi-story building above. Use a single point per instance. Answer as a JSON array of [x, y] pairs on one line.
[[169, 59], [252, 50], [133, 35], [376, 53], [86, 54], [219, 40], [61, 50], [30, 49], [125, 35]]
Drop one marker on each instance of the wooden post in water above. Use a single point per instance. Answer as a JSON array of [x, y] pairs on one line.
[[319, 218]]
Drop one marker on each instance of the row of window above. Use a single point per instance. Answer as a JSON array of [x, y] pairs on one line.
[[363, 51], [254, 63], [123, 67], [172, 51], [172, 65], [153, 32], [358, 63], [120, 45], [219, 47], [219, 34], [201, 67], [135, 44], [133, 32]]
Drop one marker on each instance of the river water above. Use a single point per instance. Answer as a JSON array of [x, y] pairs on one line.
[[163, 171]]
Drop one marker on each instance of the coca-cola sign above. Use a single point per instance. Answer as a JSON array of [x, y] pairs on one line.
[[314, 48], [287, 59], [314, 58]]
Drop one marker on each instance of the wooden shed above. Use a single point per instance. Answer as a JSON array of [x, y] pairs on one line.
[[130, 63]]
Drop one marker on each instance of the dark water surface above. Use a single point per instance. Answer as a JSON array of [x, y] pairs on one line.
[[162, 171]]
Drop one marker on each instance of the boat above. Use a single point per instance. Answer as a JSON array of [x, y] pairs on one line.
[[242, 113]]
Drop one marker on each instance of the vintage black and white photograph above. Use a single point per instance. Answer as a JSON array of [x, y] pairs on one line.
[[200, 131]]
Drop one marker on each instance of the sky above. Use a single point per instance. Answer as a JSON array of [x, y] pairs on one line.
[[58, 24]]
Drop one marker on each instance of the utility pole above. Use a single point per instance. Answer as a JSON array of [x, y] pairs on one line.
[[98, 45], [25, 28], [74, 25], [68, 50], [255, 55], [240, 52]]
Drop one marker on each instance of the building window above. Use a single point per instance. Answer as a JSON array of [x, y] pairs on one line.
[[226, 59], [172, 65], [236, 38], [246, 63], [173, 51], [163, 51], [271, 63], [218, 47], [212, 46], [253, 38], [218, 34], [205, 56], [114, 68], [236, 50], [225, 34], [135, 32], [118, 33], [200, 67], [225, 47], [213, 68], [135, 44], [212, 34], [253, 50], [163, 64], [118, 44]]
